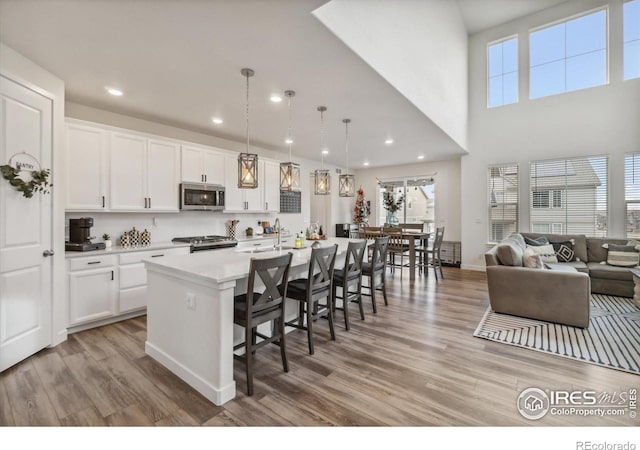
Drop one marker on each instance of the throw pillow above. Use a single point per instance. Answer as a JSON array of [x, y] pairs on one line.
[[509, 254], [622, 256], [532, 259], [546, 252], [635, 244], [542, 240], [519, 239], [564, 251]]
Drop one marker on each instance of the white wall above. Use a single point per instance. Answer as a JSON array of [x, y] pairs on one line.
[[403, 41], [20, 69], [597, 121], [446, 188], [191, 223]]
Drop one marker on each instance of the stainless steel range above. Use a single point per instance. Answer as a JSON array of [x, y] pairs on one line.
[[212, 242]]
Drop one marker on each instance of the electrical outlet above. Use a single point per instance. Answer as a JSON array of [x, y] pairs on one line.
[[191, 301]]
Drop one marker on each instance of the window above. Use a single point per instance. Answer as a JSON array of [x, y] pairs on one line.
[[632, 194], [569, 196], [568, 56], [418, 201], [502, 87], [631, 30], [547, 198], [502, 186]]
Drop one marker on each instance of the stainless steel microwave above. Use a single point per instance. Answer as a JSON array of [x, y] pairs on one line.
[[201, 197]]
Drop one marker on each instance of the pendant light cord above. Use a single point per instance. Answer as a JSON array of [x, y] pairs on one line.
[[321, 139], [346, 143], [289, 130], [247, 113]]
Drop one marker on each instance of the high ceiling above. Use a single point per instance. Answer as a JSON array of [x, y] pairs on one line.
[[178, 63]]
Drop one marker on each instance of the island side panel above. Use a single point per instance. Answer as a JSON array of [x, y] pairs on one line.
[[190, 331]]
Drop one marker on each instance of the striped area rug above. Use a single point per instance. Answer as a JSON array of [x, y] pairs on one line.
[[612, 339]]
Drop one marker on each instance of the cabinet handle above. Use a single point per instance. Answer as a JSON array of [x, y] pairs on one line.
[[202, 178], [266, 206], [157, 256], [149, 202], [112, 275], [205, 178], [94, 262], [103, 201]]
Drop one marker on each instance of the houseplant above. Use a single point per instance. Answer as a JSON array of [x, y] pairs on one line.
[[107, 240], [392, 206]]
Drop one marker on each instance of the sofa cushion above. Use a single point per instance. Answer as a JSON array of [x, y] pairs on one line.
[[542, 240], [579, 246], [509, 254], [532, 260], [564, 251], [546, 252], [560, 267], [578, 265], [595, 251], [605, 271], [622, 255]]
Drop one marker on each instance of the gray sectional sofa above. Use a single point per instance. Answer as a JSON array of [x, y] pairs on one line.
[[560, 292]]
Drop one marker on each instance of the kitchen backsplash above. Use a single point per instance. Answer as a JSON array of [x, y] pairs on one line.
[[164, 227]]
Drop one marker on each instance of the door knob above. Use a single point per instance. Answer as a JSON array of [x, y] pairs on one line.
[[48, 253]]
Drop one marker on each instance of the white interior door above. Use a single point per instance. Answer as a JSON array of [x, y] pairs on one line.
[[25, 228]]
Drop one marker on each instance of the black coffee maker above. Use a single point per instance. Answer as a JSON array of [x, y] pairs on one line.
[[80, 236]]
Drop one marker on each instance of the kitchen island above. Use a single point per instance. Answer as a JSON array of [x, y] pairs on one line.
[[190, 326]]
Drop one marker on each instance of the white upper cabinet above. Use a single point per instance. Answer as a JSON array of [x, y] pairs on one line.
[[86, 164], [162, 175], [201, 165], [234, 197], [271, 182], [128, 179], [144, 174]]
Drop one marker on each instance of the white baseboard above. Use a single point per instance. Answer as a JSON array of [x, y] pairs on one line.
[[474, 267]]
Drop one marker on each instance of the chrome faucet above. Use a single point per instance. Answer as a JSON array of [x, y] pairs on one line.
[[276, 225]]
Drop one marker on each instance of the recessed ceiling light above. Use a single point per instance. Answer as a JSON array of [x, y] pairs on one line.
[[115, 92], [366, 163], [421, 157], [275, 98], [288, 141], [217, 120], [388, 141], [325, 152]]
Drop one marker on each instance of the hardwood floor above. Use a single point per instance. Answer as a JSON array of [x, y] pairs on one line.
[[415, 363]]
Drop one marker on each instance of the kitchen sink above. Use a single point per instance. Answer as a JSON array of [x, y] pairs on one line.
[[255, 250]]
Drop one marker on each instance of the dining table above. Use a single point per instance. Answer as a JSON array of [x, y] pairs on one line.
[[412, 237]]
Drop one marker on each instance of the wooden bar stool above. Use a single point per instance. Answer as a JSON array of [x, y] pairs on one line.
[[308, 291], [349, 275], [254, 308]]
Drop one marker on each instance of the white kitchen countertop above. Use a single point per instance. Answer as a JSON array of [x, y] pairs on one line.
[[257, 237], [119, 249], [230, 263]]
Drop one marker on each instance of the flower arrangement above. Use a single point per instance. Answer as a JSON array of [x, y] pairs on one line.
[[390, 203]]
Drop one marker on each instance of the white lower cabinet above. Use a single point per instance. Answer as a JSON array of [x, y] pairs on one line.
[[110, 288], [93, 288]]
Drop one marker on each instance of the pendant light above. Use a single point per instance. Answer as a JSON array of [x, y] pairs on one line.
[[289, 171], [347, 182], [247, 162], [322, 177]]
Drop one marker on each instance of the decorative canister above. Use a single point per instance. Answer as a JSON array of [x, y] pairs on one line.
[[231, 228], [134, 237], [124, 240], [145, 238]]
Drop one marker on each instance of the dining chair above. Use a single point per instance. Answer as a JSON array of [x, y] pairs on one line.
[[375, 270], [347, 277], [255, 308], [430, 256], [309, 291], [397, 246]]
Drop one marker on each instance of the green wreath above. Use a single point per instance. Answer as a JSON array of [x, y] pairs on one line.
[[38, 183]]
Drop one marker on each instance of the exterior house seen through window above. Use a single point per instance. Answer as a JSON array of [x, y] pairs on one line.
[[502, 88], [569, 196], [568, 56], [631, 30], [502, 187]]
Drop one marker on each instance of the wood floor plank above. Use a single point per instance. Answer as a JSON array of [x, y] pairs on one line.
[[27, 396], [415, 363], [66, 394], [6, 415], [107, 395]]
